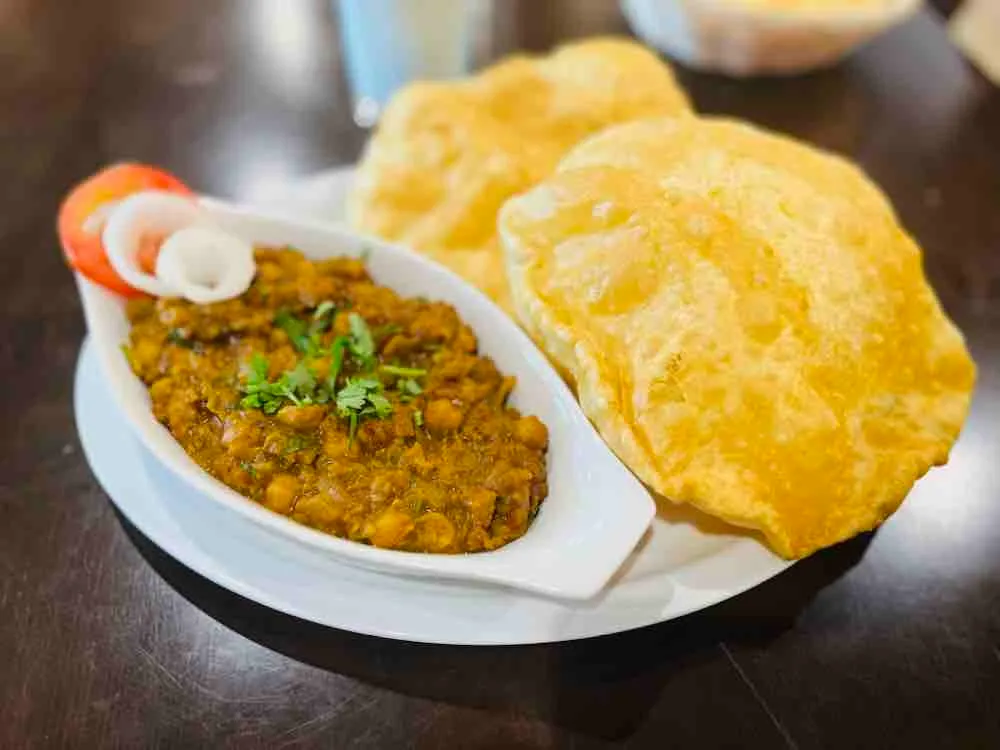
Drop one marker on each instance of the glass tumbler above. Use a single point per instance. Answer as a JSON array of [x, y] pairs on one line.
[[387, 43]]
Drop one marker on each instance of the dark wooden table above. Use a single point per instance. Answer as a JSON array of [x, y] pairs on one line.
[[888, 641]]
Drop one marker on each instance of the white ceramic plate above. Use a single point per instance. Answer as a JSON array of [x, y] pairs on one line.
[[685, 563], [595, 512]]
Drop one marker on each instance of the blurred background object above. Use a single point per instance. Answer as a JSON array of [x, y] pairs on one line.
[[975, 29], [388, 43], [762, 37]]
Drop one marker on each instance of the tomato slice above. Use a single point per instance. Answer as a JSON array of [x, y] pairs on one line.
[[80, 221]]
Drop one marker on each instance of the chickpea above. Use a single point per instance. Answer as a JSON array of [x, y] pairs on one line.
[[280, 493], [145, 352], [442, 416], [435, 323], [531, 432], [391, 527], [436, 532], [465, 340], [387, 485], [336, 445], [268, 271], [415, 459], [375, 434], [314, 510], [161, 388], [481, 504], [402, 423], [302, 417]]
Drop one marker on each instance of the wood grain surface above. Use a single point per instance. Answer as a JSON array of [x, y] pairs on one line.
[[891, 640]]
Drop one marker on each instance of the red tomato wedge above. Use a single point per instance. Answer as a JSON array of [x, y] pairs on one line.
[[80, 229]]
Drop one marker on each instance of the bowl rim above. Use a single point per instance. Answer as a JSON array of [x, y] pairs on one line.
[[548, 574], [844, 16]]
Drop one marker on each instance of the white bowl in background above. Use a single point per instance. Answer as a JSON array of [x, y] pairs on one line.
[[596, 510], [741, 39]]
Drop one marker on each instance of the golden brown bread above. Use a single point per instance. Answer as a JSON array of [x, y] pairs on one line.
[[747, 324], [447, 154]]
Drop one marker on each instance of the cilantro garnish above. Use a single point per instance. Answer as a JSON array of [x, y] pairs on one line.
[[297, 330], [178, 337], [258, 367], [323, 314], [337, 349], [259, 392], [406, 385], [352, 397], [361, 343], [296, 386], [408, 389], [404, 372], [418, 418], [305, 335], [360, 398]]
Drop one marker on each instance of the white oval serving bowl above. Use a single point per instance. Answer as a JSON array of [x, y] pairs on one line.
[[741, 39], [596, 510]]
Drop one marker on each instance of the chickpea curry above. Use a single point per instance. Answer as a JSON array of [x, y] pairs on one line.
[[340, 404]]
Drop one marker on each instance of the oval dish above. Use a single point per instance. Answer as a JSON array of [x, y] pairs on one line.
[[596, 510]]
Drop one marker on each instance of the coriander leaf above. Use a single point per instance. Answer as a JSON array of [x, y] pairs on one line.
[[409, 389], [260, 394], [258, 369], [324, 311], [251, 402], [382, 406], [362, 397], [178, 337], [418, 418], [351, 398], [298, 384], [322, 319], [361, 344], [408, 372], [290, 395], [336, 362], [301, 379], [271, 407], [298, 332]]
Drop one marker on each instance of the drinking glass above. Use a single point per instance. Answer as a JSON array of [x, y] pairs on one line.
[[388, 43]]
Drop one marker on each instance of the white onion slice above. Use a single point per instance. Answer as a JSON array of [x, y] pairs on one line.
[[204, 264], [148, 212]]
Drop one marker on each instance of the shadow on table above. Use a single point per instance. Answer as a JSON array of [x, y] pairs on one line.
[[602, 687]]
